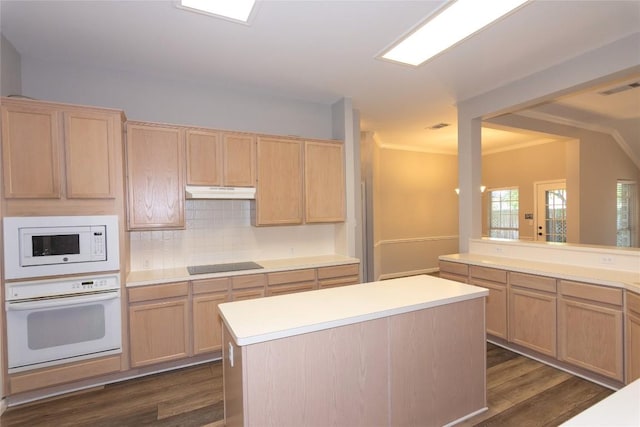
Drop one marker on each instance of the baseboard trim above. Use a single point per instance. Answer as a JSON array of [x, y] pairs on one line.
[[3, 406]]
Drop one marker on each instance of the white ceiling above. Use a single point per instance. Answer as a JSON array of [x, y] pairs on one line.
[[321, 51]]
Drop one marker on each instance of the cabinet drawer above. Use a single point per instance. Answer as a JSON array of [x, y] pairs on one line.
[[147, 293], [338, 281], [532, 281], [210, 285], [248, 281], [633, 303], [248, 294], [454, 277], [338, 271], [294, 276], [491, 274], [454, 268], [595, 293], [289, 289]]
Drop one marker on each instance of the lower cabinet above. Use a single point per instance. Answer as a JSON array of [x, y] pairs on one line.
[[159, 323], [454, 271], [496, 311], [288, 282], [338, 275], [532, 312], [248, 287], [590, 328], [206, 321], [633, 336]]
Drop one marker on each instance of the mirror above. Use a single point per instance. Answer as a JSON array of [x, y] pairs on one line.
[[590, 140]]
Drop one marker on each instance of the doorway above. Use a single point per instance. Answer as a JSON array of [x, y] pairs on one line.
[[551, 211]]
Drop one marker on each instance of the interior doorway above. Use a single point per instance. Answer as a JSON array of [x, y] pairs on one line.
[[551, 211]]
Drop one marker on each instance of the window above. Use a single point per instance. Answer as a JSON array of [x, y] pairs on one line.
[[626, 217], [503, 213]]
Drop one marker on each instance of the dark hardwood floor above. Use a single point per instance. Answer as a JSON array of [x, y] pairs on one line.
[[521, 392]]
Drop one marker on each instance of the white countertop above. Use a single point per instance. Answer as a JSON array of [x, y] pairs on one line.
[[622, 408], [601, 276], [153, 277], [265, 319]]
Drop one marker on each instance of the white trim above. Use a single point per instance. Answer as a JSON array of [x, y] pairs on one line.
[[466, 417], [414, 240]]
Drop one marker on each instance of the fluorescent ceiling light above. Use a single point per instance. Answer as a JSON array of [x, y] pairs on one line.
[[236, 10], [457, 21]]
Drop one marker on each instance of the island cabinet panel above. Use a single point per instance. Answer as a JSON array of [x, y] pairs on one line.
[[454, 271], [31, 142], [532, 312], [206, 321], [248, 286], [452, 341], [338, 275], [324, 182], [287, 282], [279, 191], [633, 336], [159, 323], [496, 282], [590, 328], [204, 157], [155, 176]]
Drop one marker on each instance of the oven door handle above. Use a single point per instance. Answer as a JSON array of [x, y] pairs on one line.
[[60, 302]]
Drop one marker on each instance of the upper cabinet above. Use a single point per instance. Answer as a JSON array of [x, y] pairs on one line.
[[279, 191], [324, 182], [53, 151], [155, 182], [220, 158]]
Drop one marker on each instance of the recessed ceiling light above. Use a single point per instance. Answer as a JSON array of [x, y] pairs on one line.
[[450, 25], [234, 10]]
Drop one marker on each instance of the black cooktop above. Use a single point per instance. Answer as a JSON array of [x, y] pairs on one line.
[[221, 268]]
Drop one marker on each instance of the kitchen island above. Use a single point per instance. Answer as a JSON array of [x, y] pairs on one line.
[[407, 351]]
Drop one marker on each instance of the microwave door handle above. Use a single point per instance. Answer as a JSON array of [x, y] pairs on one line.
[[59, 302]]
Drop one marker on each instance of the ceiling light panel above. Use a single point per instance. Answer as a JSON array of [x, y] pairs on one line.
[[234, 10], [452, 24]]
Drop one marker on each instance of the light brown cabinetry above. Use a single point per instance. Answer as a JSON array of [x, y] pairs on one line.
[[206, 321], [279, 188], [288, 282], [248, 286], [338, 275], [532, 312], [220, 158], [590, 328], [454, 271], [496, 311], [53, 151], [158, 323], [324, 181], [155, 176], [633, 336]]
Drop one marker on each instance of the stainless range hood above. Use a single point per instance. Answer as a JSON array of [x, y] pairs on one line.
[[204, 192]]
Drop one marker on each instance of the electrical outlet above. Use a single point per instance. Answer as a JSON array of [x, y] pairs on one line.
[[498, 249], [607, 259]]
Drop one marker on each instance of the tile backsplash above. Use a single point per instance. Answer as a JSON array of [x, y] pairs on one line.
[[219, 231]]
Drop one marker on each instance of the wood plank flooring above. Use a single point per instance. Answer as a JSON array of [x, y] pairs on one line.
[[521, 392]]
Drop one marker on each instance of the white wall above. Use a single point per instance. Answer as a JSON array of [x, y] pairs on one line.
[[10, 69]]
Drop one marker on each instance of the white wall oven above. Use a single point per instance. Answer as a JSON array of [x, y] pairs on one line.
[[59, 321], [60, 245]]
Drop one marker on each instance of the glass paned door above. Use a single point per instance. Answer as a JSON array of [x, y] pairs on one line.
[[551, 218]]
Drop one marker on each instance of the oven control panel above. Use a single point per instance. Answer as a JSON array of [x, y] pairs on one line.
[[69, 286]]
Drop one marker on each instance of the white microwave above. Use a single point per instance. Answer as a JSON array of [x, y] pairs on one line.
[[60, 245]]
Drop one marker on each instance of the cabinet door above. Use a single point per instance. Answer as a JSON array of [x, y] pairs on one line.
[[158, 331], [279, 189], [90, 149], [324, 182], [204, 158], [496, 315], [155, 177], [633, 348], [590, 336], [30, 151], [239, 159], [532, 320], [207, 324]]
